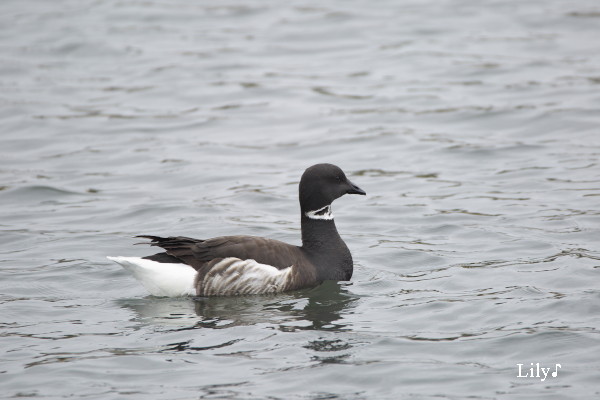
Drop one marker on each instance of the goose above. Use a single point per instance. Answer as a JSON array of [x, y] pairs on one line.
[[252, 265]]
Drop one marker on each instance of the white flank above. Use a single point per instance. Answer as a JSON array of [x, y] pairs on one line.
[[322, 213], [160, 279], [232, 276]]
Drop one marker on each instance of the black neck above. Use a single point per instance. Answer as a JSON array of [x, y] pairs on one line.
[[319, 233], [324, 246]]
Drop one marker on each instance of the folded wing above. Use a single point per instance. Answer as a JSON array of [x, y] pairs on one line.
[[197, 252]]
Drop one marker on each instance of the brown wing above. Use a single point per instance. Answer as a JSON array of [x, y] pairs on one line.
[[197, 252]]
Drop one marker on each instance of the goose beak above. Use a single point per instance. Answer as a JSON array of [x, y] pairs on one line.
[[355, 189]]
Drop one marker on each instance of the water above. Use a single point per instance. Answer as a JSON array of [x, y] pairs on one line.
[[473, 127]]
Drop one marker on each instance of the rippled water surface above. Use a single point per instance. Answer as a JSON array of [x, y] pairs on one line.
[[472, 125]]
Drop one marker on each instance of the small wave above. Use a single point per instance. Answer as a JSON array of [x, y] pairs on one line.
[[36, 193]]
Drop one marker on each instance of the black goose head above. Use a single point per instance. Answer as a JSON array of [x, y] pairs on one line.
[[321, 184]]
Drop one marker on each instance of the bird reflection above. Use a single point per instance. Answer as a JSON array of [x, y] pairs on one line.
[[320, 308]]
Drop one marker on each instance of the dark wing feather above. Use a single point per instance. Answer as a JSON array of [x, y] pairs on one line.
[[197, 252]]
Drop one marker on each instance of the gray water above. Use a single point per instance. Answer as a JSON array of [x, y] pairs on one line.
[[472, 125]]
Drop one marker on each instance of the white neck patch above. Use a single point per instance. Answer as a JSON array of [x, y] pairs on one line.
[[323, 213]]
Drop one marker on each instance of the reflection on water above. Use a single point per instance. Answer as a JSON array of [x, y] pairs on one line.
[[326, 305], [321, 308]]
